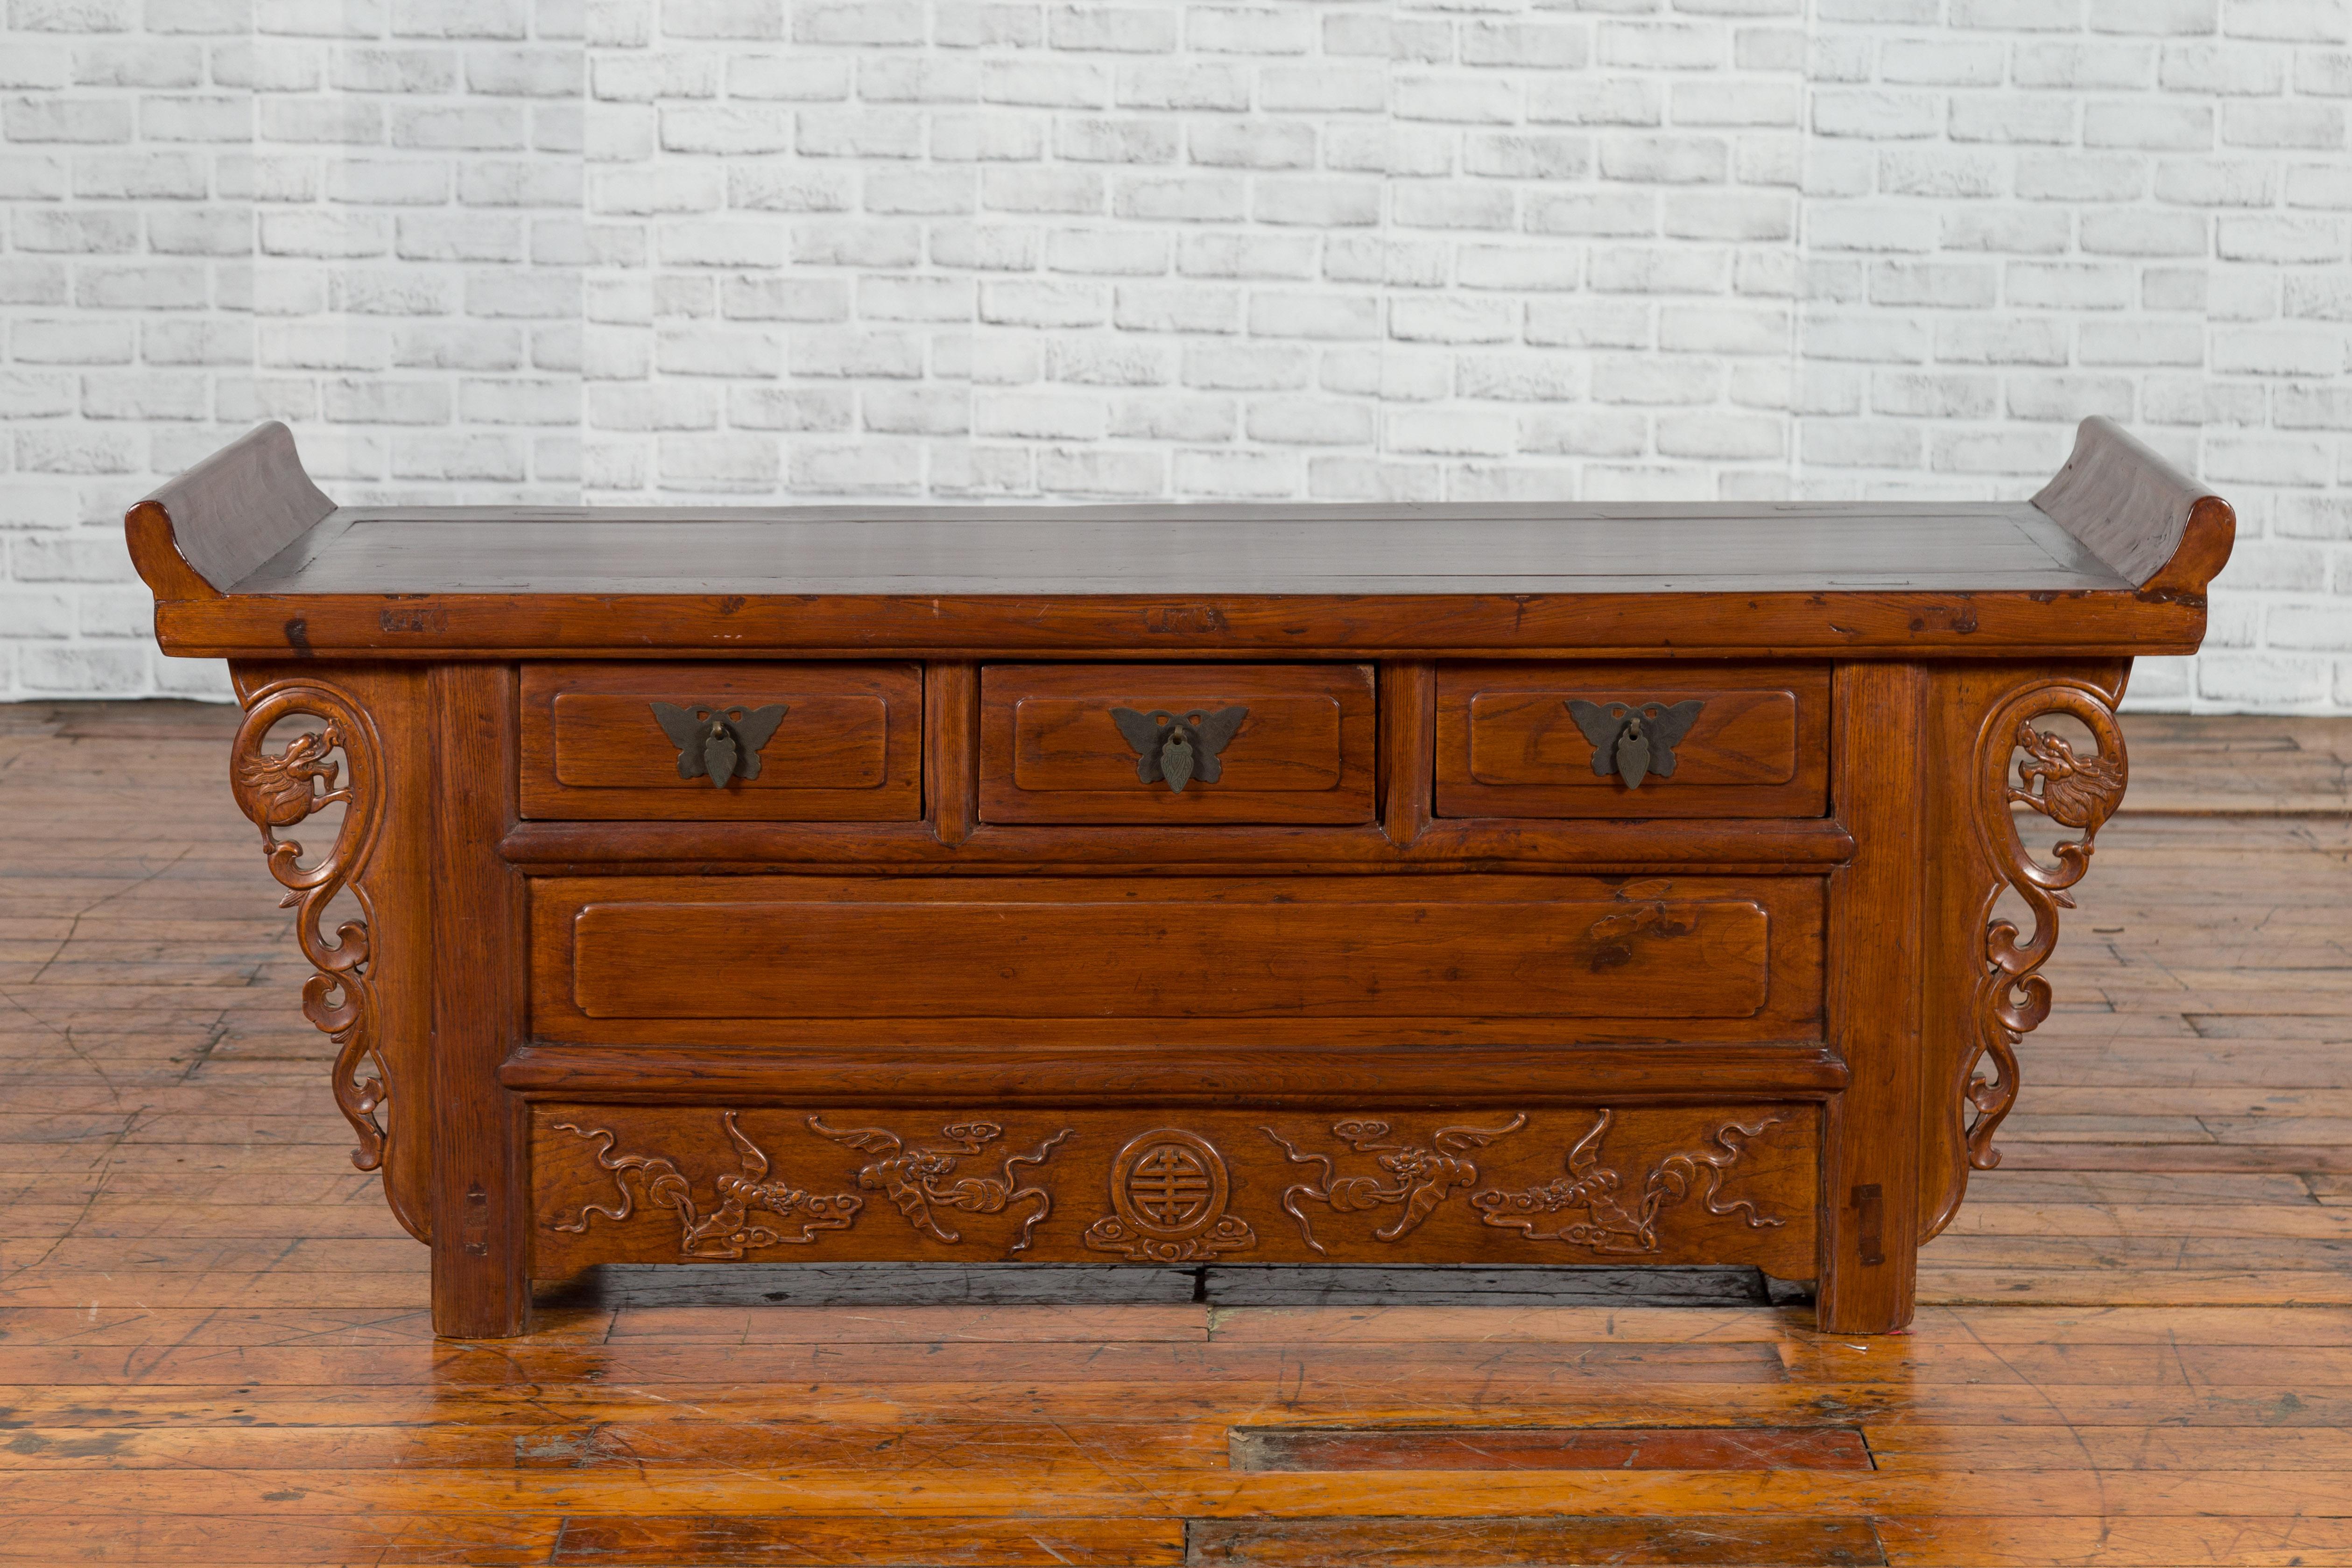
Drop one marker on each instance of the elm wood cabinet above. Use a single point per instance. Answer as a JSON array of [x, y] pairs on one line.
[[1169, 885]]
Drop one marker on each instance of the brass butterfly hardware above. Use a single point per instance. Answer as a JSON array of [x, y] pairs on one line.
[[1175, 749], [1635, 741], [720, 743]]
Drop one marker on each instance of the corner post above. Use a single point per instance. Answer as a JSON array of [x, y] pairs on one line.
[[481, 1264], [1870, 1156]]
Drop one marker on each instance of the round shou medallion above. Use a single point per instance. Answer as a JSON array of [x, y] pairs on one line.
[[1168, 1193], [1168, 1183]]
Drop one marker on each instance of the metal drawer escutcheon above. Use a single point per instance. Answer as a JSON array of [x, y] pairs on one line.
[[1633, 742], [720, 742], [1178, 750]]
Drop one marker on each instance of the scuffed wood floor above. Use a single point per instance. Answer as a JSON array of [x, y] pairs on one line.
[[213, 1351]]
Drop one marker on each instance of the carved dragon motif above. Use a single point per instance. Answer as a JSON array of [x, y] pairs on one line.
[[729, 1229], [917, 1180], [2074, 792], [1417, 1179], [1608, 1222], [2080, 793], [281, 789]]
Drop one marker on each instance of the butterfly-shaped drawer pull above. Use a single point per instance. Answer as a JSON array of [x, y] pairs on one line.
[[1176, 748], [1635, 741], [719, 743]]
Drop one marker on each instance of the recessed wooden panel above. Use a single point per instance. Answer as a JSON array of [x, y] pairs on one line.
[[1499, 947], [1531, 737], [1350, 1182], [1052, 752], [1550, 1448], [846, 749], [1162, 963], [836, 743], [1508, 744]]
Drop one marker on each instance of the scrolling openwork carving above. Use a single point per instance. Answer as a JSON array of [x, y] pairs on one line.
[[1415, 1179], [1607, 1222], [2077, 792], [279, 790], [729, 1231]]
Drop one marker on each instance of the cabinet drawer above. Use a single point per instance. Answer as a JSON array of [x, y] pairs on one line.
[[846, 745], [1562, 740], [1340, 957], [1247, 743]]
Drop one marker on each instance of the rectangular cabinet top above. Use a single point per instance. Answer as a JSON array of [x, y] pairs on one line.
[[1182, 549], [245, 541]]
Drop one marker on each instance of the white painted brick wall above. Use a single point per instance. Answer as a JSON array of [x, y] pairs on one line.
[[2019, 211], [670, 250]]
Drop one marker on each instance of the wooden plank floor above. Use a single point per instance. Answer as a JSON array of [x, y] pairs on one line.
[[212, 1350]]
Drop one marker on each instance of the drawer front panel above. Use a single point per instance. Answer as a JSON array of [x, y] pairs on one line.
[[1486, 1184], [1561, 740], [846, 745], [645, 958], [1067, 743]]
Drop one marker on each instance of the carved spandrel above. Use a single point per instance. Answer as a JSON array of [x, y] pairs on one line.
[[279, 790], [1595, 1206], [2019, 765]]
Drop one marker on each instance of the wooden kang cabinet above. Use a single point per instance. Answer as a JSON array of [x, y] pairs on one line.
[[1174, 885]]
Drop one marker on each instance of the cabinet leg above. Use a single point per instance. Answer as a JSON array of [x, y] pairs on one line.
[[1870, 1248], [481, 1274], [1870, 1143], [481, 1270]]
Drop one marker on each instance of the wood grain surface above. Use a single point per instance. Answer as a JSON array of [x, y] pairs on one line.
[[1185, 1062], [1857, 622], [1168, 948], [2162, 530], [1051, 752], [1466, 1448], [1483, 1185], [479, 1168], [1882, 773], [2104, 559], [1228, 959], [1409, 841], [2135, 1346], [227, 516], [922, 553], [1508, 746], [848, 746]]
